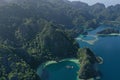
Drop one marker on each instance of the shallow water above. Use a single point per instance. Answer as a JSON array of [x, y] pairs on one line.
[[65, 70]]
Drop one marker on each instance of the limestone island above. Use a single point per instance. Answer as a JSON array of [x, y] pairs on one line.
[[108, 31], [88, 69]]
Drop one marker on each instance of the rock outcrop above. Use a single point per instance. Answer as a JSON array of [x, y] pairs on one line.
[[87, 64]]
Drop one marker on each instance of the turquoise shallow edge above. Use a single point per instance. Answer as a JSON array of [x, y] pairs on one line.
[[70, 64]]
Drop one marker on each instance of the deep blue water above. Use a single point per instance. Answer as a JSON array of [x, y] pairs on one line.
[[109, 49]]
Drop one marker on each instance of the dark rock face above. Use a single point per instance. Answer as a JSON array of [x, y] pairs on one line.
[[52, 44], [87, 71], [108, 31], [87, 64], [59, 44]]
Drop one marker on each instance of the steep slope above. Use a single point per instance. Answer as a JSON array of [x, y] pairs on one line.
[[42, 30], [33, 48], [58, 11], [52, 43], [12, 67], [28, 35], [87, 64]]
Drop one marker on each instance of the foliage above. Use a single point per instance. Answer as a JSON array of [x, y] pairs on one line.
[[12, 67], [35, 31]]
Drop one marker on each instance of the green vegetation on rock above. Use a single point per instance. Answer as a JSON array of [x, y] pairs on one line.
[[35, 31], [12, 67], [87, 64]]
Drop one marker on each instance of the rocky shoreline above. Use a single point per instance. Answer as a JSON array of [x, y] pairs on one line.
[[87, 61]]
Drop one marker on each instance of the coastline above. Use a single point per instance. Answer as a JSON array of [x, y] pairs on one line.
[[72, 60], [43, 65], [113, 34], [91, 42]]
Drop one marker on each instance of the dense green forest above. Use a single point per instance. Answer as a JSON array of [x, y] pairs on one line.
[[35, 31]]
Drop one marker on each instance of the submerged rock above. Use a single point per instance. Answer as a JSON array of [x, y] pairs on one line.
[[99, 60], [87, 64]]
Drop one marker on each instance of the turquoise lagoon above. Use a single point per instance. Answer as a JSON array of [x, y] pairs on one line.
[[63, 70]]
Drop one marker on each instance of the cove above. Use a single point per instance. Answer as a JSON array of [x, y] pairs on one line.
[[64, 70]]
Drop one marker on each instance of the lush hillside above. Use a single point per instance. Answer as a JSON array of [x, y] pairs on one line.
[[33, 45], [12, 67], [32, 32], [30, 40], [75, 16]]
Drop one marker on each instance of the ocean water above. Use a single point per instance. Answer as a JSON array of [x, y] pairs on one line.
[[108, 48]]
